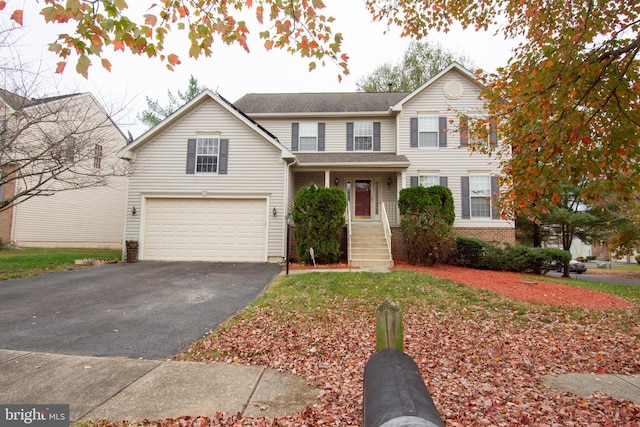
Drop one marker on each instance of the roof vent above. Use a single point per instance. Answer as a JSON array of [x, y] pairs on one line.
[[390, 86]]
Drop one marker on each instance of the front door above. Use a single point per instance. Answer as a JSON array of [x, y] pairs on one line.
[[363, 199]]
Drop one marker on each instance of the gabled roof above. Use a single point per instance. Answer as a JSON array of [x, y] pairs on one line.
[[127, 152], [18, 102], [454, 66], [256, 104]]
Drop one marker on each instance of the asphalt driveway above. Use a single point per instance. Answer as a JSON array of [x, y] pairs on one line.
[[144, 310]]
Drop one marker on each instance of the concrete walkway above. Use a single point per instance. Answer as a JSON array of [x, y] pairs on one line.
[[128, 389], [122, 389], [626, 387]]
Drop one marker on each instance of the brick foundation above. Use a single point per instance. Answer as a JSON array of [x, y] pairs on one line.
[[131, 251], [492, 235]]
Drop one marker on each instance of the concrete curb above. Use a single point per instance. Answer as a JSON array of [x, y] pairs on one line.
[[127, 389]]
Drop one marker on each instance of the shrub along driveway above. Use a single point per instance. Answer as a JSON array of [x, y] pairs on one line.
[[148, 309]]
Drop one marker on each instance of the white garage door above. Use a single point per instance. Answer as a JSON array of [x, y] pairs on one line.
[[205, 230]]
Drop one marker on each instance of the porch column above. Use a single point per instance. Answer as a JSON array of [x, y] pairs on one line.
[[327, 178]]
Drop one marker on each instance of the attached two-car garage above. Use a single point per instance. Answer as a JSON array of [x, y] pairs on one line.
[[229, 229]]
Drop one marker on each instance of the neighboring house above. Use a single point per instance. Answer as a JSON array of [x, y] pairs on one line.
[[216, 181], [61, 134]]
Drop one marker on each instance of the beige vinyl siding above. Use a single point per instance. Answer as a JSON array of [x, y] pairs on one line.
[[335, 131], [88, 217], [91, 217], [255, 168], [451, 161]]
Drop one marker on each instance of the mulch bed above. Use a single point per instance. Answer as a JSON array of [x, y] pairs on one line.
[[512, 285]]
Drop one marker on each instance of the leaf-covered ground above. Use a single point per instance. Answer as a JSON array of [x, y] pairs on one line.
[[483, 356]]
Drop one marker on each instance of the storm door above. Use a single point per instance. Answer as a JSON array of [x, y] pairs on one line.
[[363, 199]]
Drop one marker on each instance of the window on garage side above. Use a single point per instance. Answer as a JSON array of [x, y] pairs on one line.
[[207, 150]]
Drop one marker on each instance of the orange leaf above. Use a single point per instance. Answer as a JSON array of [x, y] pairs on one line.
[[2, 4], [549, 63], [118, 45], [601, 371], [173, 59], [106, 64], [60, 67], [268, 44], [150, 19], [17, 16]]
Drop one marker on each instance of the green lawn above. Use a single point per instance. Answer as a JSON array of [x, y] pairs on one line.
[[17, 263]]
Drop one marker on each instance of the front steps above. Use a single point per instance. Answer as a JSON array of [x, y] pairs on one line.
[[369, 246]]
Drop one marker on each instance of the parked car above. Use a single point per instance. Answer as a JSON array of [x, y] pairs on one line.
[[575, 266]]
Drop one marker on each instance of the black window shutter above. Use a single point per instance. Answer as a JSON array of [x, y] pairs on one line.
[[444, 182], [223, 156], [320, 136], [442, 138], [464, 131], [376, 136], [466, 207], [413, 132], [493, 136], [191, 156], [294, 136], [413, 181], [495, 212], [349, 136]]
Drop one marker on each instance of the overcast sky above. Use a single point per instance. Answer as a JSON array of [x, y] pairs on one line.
[[232, 72]]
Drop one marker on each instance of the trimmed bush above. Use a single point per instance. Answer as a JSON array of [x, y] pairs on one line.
[[638, 258], [417, 199], [475, 253], [318, 214]]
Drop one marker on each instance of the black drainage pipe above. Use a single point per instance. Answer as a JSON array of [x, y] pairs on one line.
[[395, 394]]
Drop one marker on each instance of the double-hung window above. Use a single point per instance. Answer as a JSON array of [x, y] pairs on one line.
[[428, 129], [207, 151], [480, 194], [429, 180], [70, 151], [308, 136], [97, 156], [363, 136]]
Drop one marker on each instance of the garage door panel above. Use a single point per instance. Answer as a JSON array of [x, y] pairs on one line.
[[205, 229]]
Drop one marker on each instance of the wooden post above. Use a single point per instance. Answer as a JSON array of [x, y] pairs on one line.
[[389, 330]]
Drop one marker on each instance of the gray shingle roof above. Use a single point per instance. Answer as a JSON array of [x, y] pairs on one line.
[[346, 102], [359, 159], [18, 102]]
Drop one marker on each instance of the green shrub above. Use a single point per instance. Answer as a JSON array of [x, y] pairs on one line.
[[318, 214], [417, 199], [428, 237], [475, 253], [468, 252], [442, 199], [638, 258]]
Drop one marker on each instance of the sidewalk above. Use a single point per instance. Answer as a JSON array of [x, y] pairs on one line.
[[626, 387], [135, 390], [121, 389]]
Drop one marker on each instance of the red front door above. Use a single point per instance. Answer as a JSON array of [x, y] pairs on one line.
[[363, 199]]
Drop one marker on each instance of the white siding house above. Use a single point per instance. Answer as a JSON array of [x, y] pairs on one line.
[[370, 145], [80, 209]]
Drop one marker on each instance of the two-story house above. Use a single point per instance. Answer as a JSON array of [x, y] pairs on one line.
[[216, 180], [62, 185]]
